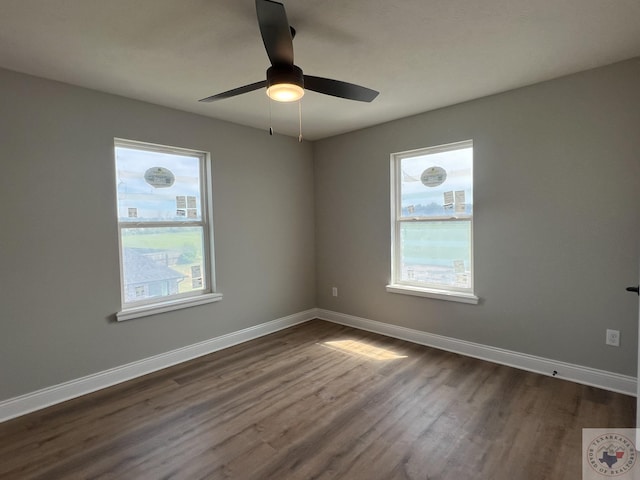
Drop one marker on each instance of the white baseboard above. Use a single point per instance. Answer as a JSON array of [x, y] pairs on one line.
[[567, 371], [30, 402]]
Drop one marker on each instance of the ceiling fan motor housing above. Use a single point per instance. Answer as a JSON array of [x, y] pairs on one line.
[[278, 74]]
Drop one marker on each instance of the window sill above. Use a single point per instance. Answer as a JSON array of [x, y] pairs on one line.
[[146, 310], [433, 293]]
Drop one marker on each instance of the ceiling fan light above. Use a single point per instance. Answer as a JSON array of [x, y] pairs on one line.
[[285, 92]]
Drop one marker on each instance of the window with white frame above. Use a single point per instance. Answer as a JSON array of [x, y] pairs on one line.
[[432, 222], [165, 229]]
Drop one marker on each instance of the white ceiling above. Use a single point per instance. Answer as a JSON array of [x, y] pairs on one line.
[[420, 54]]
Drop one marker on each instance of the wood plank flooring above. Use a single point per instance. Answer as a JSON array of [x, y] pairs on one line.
[[318, 401]]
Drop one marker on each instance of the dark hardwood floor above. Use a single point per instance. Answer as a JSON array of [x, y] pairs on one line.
[[291, 405]]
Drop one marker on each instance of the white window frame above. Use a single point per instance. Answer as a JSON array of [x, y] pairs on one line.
[[396, 285], [155, 305]]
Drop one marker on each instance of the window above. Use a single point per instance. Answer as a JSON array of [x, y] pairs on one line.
[[432, 222], [165, 232]]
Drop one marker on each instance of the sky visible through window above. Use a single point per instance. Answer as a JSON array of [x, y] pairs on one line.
[[180, 201], [420, 200]]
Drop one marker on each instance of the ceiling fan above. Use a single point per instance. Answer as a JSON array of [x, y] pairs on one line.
[[285, 81]]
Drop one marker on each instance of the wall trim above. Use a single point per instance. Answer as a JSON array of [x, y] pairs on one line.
[[30, 402], [46, 397], [614, 382]]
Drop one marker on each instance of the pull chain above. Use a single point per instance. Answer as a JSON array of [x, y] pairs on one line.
[[300, 121]]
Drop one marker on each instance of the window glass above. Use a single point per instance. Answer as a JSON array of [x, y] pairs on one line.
[[437, 184], [157, 186], [436, 253], [165, 235], [433, 218], [163, 261]]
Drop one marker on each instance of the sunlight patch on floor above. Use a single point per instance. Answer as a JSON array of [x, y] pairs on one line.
[[363, 349]]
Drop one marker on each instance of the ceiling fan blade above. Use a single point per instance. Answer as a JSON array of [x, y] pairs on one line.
[[340, 89], [275, 31], [235, 91]]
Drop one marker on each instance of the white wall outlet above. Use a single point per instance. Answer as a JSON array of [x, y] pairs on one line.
[[334, 291], [613, 337]]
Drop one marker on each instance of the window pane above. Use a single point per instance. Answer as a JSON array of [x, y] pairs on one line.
[[157, 186], [158, 262], [436, 253], [437, 184]]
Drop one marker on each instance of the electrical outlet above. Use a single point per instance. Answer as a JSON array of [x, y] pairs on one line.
[[613, 337], [334, 291]]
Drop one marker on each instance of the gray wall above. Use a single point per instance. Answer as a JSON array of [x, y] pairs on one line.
[[557, 218], [59, 274], [557, 192]]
